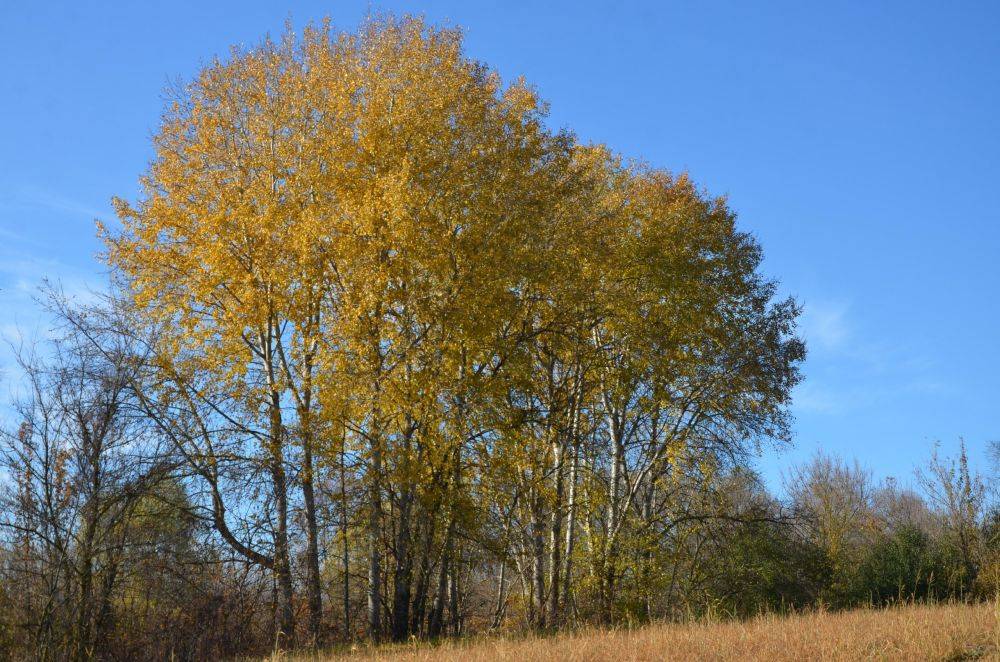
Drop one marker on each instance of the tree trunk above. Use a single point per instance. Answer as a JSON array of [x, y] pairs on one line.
[[346, 552], [403, 570], [282, 559], [375, 544], [501, 603], [419, 608], [647, 565], [83, 647], [436, 624], [616, 426], [571, 517], [454, 601], [313, 590], [538, 561], [555, 539]]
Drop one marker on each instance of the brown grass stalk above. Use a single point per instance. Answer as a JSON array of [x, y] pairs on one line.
[[952, 631]]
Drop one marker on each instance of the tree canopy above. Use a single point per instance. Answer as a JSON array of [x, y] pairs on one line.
[[368, 244]]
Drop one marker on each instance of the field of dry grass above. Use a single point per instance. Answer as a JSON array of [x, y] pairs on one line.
[[916, 632]]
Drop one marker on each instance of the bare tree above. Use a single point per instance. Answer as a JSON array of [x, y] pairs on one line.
[[80, 460]]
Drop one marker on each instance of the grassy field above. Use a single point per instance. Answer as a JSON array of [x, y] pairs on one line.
[[917, 632]]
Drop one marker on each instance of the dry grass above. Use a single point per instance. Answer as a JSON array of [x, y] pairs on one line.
[[915, 632]]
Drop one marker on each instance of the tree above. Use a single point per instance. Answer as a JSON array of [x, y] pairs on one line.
[[958, 496], [834, 501], [81, 463], [318, 214], [371, 282]]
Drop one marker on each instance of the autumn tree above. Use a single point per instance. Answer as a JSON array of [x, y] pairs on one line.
[[370, 233], [329, 234]]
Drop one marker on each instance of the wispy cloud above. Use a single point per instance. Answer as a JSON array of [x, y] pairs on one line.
[[850, 367], [816, 398], [27, 198], [21, 277], [825, 325], [41, 229], [26, 263]]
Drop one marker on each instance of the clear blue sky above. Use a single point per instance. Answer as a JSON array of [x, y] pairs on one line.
[[859, 141]]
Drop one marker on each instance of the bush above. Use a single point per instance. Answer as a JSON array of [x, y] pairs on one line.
[[901, 565]]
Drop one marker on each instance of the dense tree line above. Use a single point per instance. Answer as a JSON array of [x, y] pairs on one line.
[[386, 357]]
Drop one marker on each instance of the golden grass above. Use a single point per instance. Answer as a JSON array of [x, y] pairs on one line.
[[913, 632]]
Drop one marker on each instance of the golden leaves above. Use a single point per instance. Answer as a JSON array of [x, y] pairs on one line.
[[375, 221]]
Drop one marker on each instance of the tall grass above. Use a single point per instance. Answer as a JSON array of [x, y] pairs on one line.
[[949, 631]]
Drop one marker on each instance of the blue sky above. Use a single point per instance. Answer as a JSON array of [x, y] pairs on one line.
[[858, 141]]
